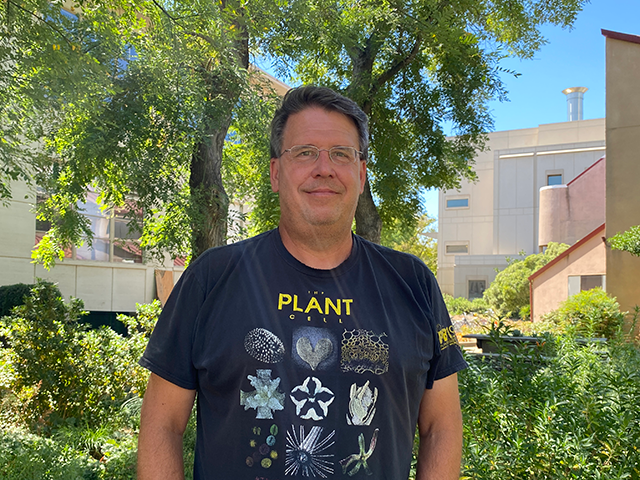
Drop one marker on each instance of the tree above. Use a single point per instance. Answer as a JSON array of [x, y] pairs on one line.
[[628, 241], [508, 295], [414, 239], [413, 66], [137, 100]]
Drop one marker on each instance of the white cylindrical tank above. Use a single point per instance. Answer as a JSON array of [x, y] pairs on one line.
[[575, 97]]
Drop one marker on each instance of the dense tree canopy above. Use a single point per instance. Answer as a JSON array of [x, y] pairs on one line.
[[134, 100], [414, 66], [152, 103], [416, 239]]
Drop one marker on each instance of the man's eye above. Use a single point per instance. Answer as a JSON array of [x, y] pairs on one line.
[[306, 152], [341, 153]]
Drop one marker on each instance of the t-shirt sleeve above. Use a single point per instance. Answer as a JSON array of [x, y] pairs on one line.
[[169, 351], [448, 358]]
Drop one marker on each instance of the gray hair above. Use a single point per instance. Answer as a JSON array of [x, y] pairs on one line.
[[300, 98]]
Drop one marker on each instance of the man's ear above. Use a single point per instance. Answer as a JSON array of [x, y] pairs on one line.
[[363, 175], [274, 174]]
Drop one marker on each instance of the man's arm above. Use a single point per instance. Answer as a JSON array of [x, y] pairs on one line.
[[163, 419], [440, 429]]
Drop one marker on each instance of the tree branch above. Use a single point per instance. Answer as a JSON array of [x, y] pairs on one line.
[[396, 68], [50, 25], [206, 38]]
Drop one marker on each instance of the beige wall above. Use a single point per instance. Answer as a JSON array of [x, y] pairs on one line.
[[551, 287], [623, 164]]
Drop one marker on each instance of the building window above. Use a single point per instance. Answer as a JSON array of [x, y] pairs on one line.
[[459, 249], [476, 288], [554, 179], [580, 283], [458, 203], [113, 240], [587, 282]]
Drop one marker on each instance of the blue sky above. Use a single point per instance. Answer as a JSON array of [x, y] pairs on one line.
[[571, 58]]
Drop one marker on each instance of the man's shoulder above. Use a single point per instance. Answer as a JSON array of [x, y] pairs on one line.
[[232, 250], [216, 260], [398, 259]]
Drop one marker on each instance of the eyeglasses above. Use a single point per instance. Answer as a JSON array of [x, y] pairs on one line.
[[307, 154]]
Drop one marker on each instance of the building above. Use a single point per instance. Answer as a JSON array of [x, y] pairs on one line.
[[484, 223], [623, 162]]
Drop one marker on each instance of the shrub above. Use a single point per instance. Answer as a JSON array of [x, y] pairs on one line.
[[590, 313], [570, 412], [462, 305], [14, 295], [26, 457], [508, 294], [628, 241], [61, 370]]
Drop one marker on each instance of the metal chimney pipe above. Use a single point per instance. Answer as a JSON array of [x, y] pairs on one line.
[[574, 102]]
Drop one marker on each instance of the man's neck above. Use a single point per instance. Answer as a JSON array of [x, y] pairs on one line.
[[318, 249]]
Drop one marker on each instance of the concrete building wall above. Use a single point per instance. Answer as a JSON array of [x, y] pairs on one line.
[[550, 286], [502, 214], [623, 161]]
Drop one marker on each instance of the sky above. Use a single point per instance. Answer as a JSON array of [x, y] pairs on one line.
[[571, 58]]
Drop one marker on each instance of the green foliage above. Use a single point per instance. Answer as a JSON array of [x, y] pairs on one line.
[[462, 305], [26, 457], [12, 296], [590, 313], [569, 411], [508, 294], [413, 67], [135, 102], [628, 241], [62, 372], [413, 238]]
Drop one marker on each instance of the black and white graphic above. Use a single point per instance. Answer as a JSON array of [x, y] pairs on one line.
[[263, 345], [304, 453], [311, 399], [362, 404]]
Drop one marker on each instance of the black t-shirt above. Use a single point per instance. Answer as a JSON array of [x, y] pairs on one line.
[[303, 372]]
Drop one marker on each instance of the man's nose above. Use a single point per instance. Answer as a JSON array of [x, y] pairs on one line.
[[323, 165]]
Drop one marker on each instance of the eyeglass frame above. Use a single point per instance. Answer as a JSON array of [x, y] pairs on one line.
[[328, 150]]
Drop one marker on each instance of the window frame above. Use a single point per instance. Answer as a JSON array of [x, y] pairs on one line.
[[456, 244], [454, 198]]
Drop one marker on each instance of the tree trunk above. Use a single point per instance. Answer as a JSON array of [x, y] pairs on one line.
[[209, 201], [368, 221]]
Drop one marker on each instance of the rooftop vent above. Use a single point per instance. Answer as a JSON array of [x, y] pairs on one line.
[[574, 102]]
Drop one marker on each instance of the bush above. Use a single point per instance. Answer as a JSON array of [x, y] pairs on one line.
[[462, 305], [628, 241], [14, 295], [62, 371], [508, 294], [569, 412], [26, 457], [590, 313]]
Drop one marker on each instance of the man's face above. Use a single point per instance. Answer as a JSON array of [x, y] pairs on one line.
[[322, 193]]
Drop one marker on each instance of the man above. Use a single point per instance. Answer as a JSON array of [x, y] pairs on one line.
[[313, 352]]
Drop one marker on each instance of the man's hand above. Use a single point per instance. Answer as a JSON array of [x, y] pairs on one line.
[[163, 419], [440, 430]]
